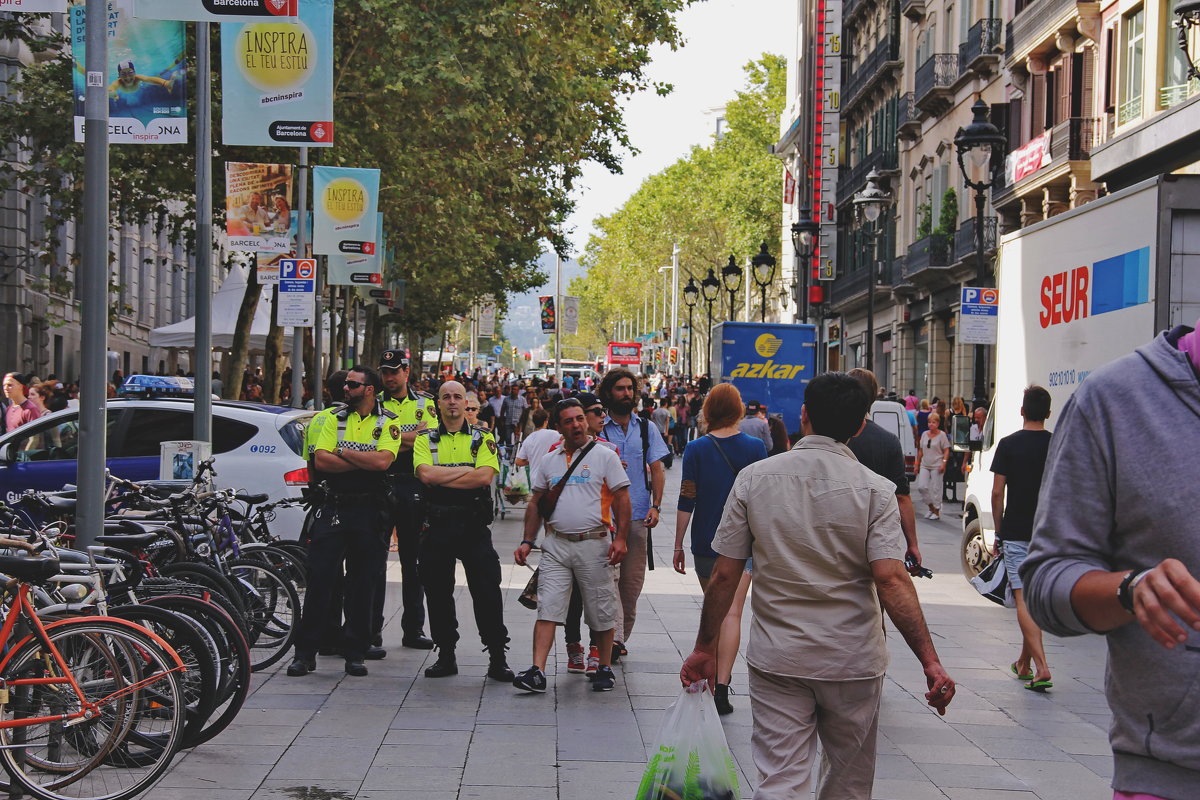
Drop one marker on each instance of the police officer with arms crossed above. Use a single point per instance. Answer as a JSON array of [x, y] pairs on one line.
[[352, 449], [414, 411], [457, 464]]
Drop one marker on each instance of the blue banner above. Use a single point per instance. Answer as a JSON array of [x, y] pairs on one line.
[[146, 76], [345, 211], [277, 80], [216, 10]]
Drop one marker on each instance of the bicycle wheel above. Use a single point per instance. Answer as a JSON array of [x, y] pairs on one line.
[[136, 713], [233, 684], [272, 609], [283, 561], [155, 587]]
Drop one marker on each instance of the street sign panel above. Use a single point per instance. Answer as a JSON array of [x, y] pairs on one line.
[[297, 292], [979, 312]]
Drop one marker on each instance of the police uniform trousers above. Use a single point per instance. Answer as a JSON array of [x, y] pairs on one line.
[[445, 540], [350, 532], [407, 520]]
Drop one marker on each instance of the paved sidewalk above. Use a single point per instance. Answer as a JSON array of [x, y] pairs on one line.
[[396, 735]]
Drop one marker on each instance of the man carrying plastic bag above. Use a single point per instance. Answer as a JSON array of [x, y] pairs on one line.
[[691, 759], [825, 535]]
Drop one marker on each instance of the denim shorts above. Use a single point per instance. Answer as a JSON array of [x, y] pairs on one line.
[[1014, 556]]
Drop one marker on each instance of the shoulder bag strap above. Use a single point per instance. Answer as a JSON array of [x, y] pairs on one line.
[[645, 428], [721, 450]]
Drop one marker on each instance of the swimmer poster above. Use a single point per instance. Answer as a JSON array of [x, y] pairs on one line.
[[216, 10], [146, 77], [258, 207], [277, 80], [345, 211]]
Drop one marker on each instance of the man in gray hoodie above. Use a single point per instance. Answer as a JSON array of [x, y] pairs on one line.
[[1116, 548]]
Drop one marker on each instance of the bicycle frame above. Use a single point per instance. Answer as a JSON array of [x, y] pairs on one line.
[[22, 607]]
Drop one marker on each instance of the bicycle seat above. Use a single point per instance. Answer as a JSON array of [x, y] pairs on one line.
[[127, 540], [117, 526], [32, 570], [252, 499], [62, 504]]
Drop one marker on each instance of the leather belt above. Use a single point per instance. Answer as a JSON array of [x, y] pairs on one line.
[[600, 532]]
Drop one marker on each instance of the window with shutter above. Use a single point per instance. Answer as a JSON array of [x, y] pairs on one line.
[[1037, 111], [1110, 70], [1079, 97]]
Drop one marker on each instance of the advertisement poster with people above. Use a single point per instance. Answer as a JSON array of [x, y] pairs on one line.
[[345, 210], [216, 10], [146, 76], [277, 80], [258, 207], [267, 264]]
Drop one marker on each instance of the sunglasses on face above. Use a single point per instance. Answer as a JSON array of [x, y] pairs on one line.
[[472, 408], [353, 384], [598, 411]]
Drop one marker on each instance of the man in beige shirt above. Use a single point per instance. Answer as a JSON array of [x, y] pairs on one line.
[[828, 550]]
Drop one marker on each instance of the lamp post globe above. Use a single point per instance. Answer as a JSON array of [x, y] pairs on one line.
[[763, 268], [691, 295], [731, 276], [710, 287], [804, 237]]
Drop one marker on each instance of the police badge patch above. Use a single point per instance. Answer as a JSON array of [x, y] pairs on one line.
[[420, 413], [395, 431], [491, 446], [375, 433]]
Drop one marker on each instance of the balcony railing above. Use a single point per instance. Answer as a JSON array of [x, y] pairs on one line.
[[1036, 18], [964, 238], [858, 277], [982, 40], [1130, 110], [1073, 139], [887, 50], [853, 178], [939, 72], [907, 114], [923, 254], [1174, 95]]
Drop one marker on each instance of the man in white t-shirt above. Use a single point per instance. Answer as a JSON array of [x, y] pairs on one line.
[[538, 443], [577, 545]]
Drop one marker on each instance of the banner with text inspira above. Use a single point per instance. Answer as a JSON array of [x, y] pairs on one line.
[[345, 211]]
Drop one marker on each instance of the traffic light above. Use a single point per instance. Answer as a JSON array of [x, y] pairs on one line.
[[673, 356], [514, 351]]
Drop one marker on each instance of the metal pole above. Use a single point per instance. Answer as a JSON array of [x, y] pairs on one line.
[[675, 300], [764, 303], [980, 359], [691, 335], [708, 339], [318, 376], [301, 252], [870, 361], [558, 320], [202, 397], [93, 283], [746, 286]]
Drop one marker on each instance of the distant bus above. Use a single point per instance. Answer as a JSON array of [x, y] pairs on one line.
[[624, 354], [576, 369]]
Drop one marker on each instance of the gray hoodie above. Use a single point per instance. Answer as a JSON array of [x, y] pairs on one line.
[[1120, 494]]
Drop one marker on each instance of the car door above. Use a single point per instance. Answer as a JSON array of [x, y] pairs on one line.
[[141, 446], [42, 454]]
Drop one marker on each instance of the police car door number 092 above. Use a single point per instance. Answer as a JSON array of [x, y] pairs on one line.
[[262, 448]]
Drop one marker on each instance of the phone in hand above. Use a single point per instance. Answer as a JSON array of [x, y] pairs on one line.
[[919, 572]]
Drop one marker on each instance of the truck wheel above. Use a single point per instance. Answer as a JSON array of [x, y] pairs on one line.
[[975, 555]]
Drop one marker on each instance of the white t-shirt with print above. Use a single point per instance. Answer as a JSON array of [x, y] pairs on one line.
[[586, 500]]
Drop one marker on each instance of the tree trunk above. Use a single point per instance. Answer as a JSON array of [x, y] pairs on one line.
[[342, 352], [240, 350], [373, 338], [273, 357]]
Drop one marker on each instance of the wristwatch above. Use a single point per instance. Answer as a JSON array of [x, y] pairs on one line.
[[656, 508], [338, 452], [1125, 589], [531, 544]]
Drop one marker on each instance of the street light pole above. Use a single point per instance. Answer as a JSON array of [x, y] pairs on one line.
[[711, 288], [731, 276], [872, 205], [691, 293], [763, 265], [675, 301], [804, 233]]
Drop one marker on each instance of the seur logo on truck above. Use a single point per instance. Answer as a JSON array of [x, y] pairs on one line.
[[767, 346], [1110, 284]]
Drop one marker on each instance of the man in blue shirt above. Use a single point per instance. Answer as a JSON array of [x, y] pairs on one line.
[[642, 450]]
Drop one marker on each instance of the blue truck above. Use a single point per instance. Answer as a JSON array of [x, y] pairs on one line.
[[769, 363]]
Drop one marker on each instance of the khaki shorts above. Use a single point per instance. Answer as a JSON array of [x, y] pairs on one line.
[[584, 563]]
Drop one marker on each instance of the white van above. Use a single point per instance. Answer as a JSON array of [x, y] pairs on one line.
[[893, 418]]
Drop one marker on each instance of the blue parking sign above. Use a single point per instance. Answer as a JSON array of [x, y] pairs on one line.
[[297, 292]]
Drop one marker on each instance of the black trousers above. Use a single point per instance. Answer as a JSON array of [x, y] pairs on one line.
[[571, 628], [408, 531], [352, 534], [443, 543]]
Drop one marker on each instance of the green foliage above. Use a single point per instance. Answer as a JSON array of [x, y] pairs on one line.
[[924, 220], [717, 200], [948, 216]]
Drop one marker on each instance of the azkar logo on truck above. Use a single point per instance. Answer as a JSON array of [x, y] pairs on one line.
[[1108, 285], [767, 346]]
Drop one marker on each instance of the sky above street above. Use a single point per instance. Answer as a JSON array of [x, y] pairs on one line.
[[721, 36]]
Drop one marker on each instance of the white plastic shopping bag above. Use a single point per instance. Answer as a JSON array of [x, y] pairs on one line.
[[691, 760]]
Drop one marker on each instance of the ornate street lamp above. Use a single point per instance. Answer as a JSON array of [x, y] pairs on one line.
[[731, 276], [763, 265], [804, 237], [872, 204], [691, 294], [976, 145], [1188, 17], [710, 287]]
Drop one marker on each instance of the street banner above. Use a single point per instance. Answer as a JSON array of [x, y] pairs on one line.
[[218, 10], [146, 76], [570, 315], [358, 269], [34, 6], [487, 317], [345, 215], [547, 305], [297, 292], [978, 315], [258, 207], [277, 80]]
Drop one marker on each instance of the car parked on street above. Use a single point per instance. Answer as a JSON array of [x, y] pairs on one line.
[[256, 447]]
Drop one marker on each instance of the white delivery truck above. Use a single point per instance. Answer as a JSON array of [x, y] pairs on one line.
[[1076, 291]]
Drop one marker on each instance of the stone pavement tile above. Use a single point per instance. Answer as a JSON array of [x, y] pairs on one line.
[[506, 793], [922, 753], [1058, 781], [385, 794], [274, 716], [1029, 748], [320, 682], [660, 684], [160, 792], [441, 738], [326, 759], [989, 794], [885, 789], [287, 789], [200, 775], [414, 779], [238, 734], [899, 733], [431, 719], [512, 771], [419, 755], [897, 768], [350, 722], [220, 754], [285, 701], [650, 701], [1101, 765], [969, 776], [972, 716], [1089, 746]]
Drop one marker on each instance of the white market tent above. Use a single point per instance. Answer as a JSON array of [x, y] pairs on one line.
[[225, 305]]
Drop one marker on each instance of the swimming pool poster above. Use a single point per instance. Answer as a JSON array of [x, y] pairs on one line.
[[344, 269], [258, 207], [345, 211], [146, 76], [216, 10], [277, 80]]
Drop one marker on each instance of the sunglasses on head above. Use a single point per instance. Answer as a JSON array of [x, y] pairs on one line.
[[353, 384], [570, 402]]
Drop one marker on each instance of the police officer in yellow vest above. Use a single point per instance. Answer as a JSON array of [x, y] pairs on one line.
[[415, 411], [457, 464], [352, 450]]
